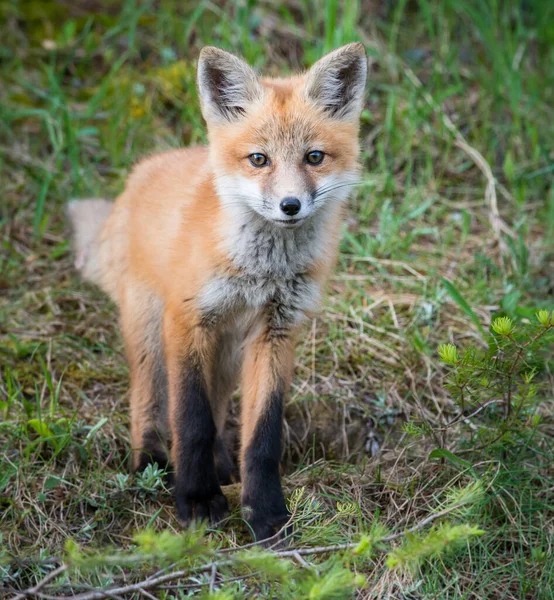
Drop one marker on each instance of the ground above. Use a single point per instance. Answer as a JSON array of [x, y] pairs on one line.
[[451, 226]]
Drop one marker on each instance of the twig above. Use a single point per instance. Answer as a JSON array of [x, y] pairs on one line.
[[275, 538], [471, 415], [301, 560], [189, 586], [34, 590], [156, 582], [212, 579], [384, 540], [163, 570]]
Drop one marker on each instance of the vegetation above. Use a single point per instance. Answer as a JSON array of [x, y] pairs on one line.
[[419, 458]]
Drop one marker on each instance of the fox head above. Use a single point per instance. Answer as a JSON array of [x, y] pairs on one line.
[[287, 148]]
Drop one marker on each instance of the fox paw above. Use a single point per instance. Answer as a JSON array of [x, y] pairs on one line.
[[213, 509], [266, 526]]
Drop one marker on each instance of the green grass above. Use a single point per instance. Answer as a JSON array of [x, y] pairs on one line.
[[458, 90]]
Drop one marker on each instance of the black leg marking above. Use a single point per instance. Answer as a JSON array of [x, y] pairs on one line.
[[197, 491], [262, 496]]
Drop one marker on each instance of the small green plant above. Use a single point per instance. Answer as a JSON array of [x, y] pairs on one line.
[[151, 479], [121, 481], [498, 383], [432, 545]]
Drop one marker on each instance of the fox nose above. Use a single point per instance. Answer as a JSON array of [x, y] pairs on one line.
[[290, 206]]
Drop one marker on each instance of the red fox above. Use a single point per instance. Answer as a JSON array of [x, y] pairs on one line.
[[215, 256]]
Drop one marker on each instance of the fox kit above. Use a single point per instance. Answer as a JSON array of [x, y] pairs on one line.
[[216, 256]]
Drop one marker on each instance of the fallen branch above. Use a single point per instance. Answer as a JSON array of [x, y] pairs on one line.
[[157, 582]]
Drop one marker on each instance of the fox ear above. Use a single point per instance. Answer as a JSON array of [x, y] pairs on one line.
[[227, 86], [337, 82]]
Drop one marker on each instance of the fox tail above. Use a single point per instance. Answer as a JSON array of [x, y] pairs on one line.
[[88, 218]]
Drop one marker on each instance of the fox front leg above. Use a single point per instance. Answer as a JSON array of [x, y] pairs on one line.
[[267, 371], [189, 350]]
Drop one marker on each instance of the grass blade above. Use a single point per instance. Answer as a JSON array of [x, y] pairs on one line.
[[455, 294]]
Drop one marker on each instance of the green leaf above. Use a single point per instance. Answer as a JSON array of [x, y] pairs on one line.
[[509, 167], [462, 303], [450, 457], [52, 482], [510, 300], [98, 426], [41, 428], [44, 432]]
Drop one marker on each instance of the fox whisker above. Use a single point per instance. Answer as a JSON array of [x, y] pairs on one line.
[[330, 188]]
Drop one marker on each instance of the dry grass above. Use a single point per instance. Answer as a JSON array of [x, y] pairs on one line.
[[456, 185]]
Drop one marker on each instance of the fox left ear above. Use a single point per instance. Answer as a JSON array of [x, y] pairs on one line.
[[227, 86], [337, 82]]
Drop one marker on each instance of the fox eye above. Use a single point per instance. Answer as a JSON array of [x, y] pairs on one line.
[[258, 160], [315, 157]]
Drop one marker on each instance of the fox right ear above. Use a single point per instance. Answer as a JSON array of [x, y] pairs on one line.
[[227, 86], [337, 81]]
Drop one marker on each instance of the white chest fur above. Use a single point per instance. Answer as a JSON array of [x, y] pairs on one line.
[[270, 268]]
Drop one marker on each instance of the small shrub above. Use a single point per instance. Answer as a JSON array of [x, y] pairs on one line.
[[498, 383]]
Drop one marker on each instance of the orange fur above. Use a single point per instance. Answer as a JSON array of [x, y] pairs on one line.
[[266, 365]]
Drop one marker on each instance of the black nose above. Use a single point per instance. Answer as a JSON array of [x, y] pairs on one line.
[[290, 206]]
